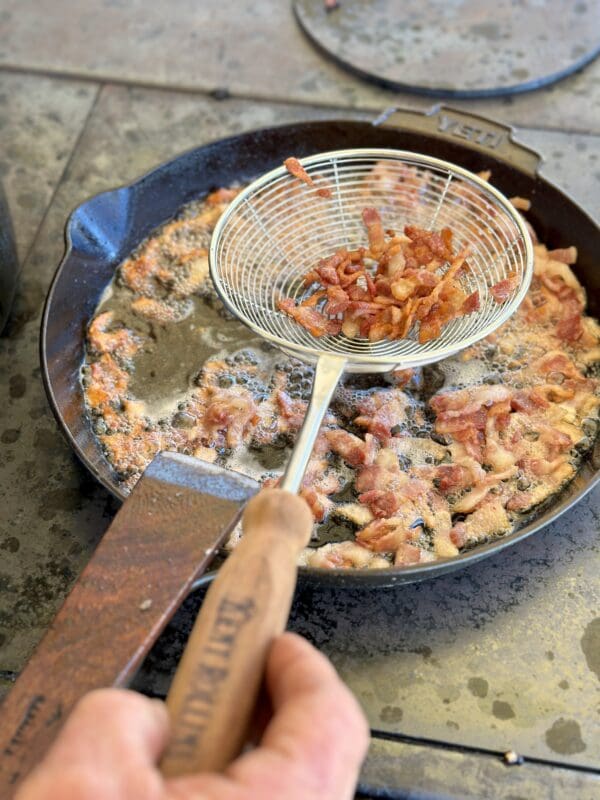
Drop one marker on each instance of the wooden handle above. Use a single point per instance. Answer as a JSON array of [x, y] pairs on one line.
[[214, 691]]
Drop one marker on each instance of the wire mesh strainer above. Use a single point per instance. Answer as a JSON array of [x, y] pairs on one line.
[[278, 228]]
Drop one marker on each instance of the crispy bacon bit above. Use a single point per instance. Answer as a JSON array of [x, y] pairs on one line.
[[570, 327], [471, 304], [458, 534], [521, 203], [221, 196], [230, 411], [293, 411], [387, 535], [161, 311], [375, 230], [426, 247], [452, 478], [119, 341], [344, 555], [567, 255], [314, 322], [318, 504], [528, 401], [408, 554], [404, 289], [559, 363], [380, 503], [502, 290], [295, 168], [381, 412], [352, 449], [337, 301]]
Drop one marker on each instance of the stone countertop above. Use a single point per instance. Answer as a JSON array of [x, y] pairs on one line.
[[504, 655]]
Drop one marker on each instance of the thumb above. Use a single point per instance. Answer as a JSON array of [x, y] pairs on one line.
[[107, 748]]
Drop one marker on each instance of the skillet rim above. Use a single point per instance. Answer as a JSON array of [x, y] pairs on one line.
[[346, 578]]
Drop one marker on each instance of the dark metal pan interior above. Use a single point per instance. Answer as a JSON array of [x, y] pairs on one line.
[[103, 230]]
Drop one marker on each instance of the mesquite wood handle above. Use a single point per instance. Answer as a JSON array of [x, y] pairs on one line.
[[214, 691]]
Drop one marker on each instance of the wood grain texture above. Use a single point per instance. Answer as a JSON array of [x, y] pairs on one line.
[[213, 695], [161, 540]]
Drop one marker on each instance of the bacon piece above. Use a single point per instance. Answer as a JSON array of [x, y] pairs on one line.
[[337, 300], [449, 422], [315, 323], [317, 484], [373, 477], [468, 400], [314, 299], [382, 411], [452, 478], [161, 311], [395, 263], [220, 196], [408, 554], [559, 362], [120, 341], [567, 255], [380, 503], [386, 535], [344, 555], [489, 519], [231, 410], [502, 290], [295, 168], [472, 303], [529, 401], [570, 327], [520, 501], [293, 411], [319, 504], [458, 534], [351, 448], [375, 230], [427, 246], [521, 203], [108, 383]]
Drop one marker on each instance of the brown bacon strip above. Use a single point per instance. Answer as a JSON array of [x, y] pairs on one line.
[[503, 289], [403, 289], [295, 168], [314, 322], [375, 230]]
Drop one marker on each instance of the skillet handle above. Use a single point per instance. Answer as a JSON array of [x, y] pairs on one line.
[[214, 691], [473, 130]]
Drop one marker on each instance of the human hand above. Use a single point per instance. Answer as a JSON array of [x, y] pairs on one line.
[[311, 749]]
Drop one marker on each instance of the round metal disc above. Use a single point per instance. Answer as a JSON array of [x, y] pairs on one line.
[[456, 48]]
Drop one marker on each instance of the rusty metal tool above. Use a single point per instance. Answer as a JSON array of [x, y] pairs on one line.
[[163, 538]]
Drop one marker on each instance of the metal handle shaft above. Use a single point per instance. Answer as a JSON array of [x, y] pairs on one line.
[[328, 371]]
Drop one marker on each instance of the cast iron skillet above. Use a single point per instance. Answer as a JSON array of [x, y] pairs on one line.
[[102, 231]]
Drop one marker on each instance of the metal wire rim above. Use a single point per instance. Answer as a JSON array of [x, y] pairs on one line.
[[277, 229]]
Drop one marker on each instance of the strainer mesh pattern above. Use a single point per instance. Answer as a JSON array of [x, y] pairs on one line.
[[278, 228]]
